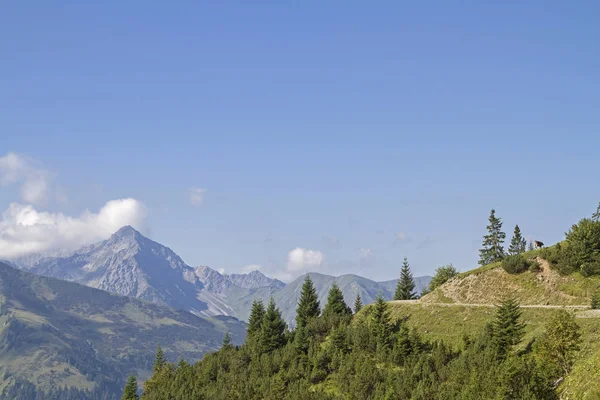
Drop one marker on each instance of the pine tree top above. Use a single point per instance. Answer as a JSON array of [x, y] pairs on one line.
[[492, 249], [226, 340], [273, 328], [131, 388], [255, 320], [357, 304], [159, 361], [308, 304], [406, 285], [335, 302], [596, 215]]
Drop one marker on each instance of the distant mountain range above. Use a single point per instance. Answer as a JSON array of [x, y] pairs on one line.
[[56, 334], [130, 264]]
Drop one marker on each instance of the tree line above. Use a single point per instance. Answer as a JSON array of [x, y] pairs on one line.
[[579, 252], [366, 353]]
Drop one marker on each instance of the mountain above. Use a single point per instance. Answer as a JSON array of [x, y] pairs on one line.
[[351, 285], [55, 333], [130, 264]]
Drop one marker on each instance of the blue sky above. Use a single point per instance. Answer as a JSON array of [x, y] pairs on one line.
[[358, 133]]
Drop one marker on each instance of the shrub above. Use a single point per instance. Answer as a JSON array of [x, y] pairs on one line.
[[582, 248], [534, 266], [590, 268], [515, 264], [596, 301], [442, 275]]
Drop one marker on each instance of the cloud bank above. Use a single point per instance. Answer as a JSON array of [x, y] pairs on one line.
[[25, 230]]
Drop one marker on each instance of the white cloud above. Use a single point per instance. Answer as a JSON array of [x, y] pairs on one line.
[[221, 271], [25, 230], [196, 195], [34, 181], [400, 236], [249, 268], [301, 259]]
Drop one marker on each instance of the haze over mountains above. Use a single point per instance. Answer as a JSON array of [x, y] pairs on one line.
[[130, 264], [56, 334]]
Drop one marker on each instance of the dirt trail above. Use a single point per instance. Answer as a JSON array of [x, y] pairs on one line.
[[580, 307]]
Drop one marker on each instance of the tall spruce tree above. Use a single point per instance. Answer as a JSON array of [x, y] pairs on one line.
[[308, 305], [596, 215], [131, 389], [159, 360], [518, 243], [226, 340], [507, 328], [492, 249], [255, 321], [380, 321], [272, 329], [357, 304], [335, 302], [406, 284], [301, 339]]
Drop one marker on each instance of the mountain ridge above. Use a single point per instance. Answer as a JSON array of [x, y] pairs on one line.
[[130, 264], [55, 333]]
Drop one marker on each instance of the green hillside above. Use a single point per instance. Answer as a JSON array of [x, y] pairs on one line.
[[56, 334], [525, 325], [451, 323], [490, 284]]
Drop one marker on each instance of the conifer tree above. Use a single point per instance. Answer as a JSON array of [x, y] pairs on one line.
[[226, 340], [273, 329], [338, 338], [406, 284], [357, 304], [507, 329], [301, 339], [130, 392], [335, 302], [530, 246], [404, 346], [492, 249], [596, 215], [308, 305], [159, 361], [257, 314], [380, 320], [518, 243]]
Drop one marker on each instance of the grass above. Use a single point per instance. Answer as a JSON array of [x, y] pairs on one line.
[[452, 323], [489, 284]]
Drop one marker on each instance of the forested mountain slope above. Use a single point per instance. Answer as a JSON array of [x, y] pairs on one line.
[[55, 333]]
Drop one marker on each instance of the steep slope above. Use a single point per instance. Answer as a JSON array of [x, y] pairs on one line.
[[55, 333], [131, 265], [489, 284], [255, 280]]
